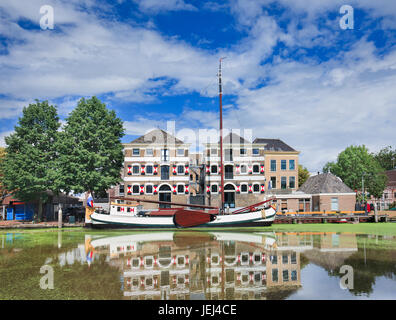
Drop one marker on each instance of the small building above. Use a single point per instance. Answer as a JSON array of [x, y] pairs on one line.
[[16, 209], [329, 193], [389, 196]]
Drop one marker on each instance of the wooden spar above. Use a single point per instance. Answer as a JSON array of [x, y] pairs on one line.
[[221, 139], [164, 202], [252, 206]]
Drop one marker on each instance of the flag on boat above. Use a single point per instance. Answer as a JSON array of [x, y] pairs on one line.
[[90, 201]]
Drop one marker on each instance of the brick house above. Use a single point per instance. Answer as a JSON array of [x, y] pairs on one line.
[[252, 170], [156, 167], [329, 193]]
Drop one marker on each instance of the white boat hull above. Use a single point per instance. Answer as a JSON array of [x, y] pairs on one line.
[[263, 217]]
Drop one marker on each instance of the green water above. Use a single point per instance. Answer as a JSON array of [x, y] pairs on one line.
[[282, 262]]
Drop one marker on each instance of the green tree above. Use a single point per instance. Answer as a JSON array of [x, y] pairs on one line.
[[386, 157], [2, 187], [91, 152], [29, 166], [355, 165], [303, 174]]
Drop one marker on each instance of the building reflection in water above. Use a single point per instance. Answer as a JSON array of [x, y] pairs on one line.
[[198, 265]]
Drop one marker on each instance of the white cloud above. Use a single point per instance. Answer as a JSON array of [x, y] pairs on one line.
[[155, 6], [317, 108]]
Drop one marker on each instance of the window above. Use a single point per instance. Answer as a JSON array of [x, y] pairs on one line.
[[180, 152], [274, 259], [164, 172], [135, 189], [135, 152], [180, 188], [292, 182], [243, 152], [244, 188], [292, 165], [149, 169], [213, 169], [180, 169], [256, 168], [293, 258], [228, 154], [285, 275], [256, 188], [294, 275], [214, 188], [136, 169], [283, 164], [121, 190], [149, 152], [273, 182], [334, 204], [285, 258], [243, 168], [274, 275], [273, 165], [256, 151], [283, 182], [213, 152], [149, 189], [165, 155]]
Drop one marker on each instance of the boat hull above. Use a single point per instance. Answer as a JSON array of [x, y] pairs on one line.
[[251, 219]]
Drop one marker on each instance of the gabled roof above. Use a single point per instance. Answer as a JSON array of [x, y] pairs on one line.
[[391, 174], [325, 183], [233, 138], [273, 144], [157, 136]]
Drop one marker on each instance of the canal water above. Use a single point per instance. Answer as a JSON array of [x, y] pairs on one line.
[[185, 265]]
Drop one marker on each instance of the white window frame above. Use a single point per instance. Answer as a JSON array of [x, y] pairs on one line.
[[256, 164], [177, 188], [254, 184], [147, 154], [255, 155], [247, 187], [217, 169], [177, 169], [243, 154], [140, 169], [214, 184], [152, 188], [135, 155], [135, 184], [213, 153], [145, 169], [177, 152], [246, 169]]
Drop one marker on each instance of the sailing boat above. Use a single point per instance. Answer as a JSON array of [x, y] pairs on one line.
[[131, 216]]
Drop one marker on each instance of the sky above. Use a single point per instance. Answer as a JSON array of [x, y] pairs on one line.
[[295, 70]]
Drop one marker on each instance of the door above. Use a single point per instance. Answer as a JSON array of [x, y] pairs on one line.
[[229, 196], [10, 214], [165, 196]]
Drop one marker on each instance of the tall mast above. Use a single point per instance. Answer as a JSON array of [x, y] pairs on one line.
[[221, 139]]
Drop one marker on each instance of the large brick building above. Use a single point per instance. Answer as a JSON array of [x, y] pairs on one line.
[[251, 170], [158, 166]]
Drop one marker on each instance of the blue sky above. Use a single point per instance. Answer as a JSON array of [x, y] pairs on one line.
[[291, 71]]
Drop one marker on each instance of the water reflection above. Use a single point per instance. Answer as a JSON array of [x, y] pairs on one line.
[[211, 265]]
